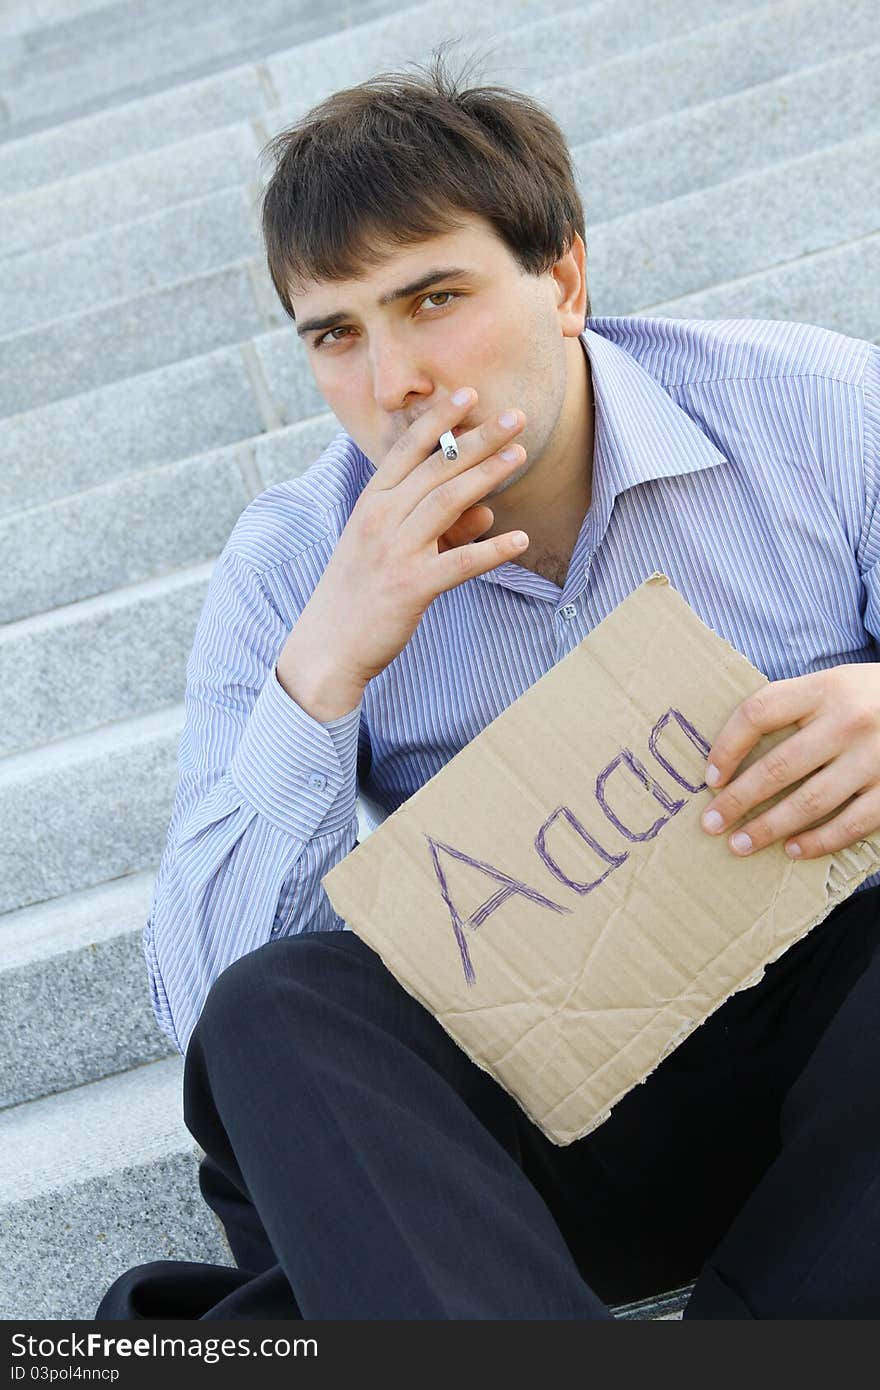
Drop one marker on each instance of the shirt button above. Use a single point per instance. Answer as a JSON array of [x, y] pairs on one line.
[[568, 611], [317, 781]]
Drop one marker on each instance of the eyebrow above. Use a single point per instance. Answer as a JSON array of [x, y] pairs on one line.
[[404, 292]]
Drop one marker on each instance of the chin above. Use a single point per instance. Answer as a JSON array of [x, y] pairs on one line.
[[509, 482]]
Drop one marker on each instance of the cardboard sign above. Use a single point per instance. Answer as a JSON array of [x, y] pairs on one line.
[[551, 896]]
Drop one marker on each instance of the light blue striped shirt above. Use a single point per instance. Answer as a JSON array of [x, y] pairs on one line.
[[739, 457]]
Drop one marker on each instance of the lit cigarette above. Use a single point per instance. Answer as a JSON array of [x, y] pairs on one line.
[[448, 445]]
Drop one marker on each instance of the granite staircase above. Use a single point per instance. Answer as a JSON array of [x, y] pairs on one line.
[[728, 155]]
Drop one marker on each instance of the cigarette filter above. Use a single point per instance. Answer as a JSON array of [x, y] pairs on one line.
[[448, 444]]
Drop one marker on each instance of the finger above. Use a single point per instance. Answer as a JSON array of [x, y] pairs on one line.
[[474, 444], [816, 798], [448, 500], [775, 705], [421, 440], [786, 763], [470, 524], [858, 821], [467, 561]]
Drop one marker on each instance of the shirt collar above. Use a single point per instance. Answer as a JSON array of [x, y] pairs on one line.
[[640, 434]]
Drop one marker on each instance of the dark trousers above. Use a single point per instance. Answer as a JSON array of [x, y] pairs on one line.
[[364, 1167]]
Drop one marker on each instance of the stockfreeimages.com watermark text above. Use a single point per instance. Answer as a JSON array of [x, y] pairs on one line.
[[97, 1345]]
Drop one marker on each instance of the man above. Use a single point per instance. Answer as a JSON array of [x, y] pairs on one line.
[[369, 618]]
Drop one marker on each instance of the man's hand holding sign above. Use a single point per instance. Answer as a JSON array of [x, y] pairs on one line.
[[837, 712]]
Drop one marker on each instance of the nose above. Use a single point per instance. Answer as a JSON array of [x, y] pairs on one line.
[[398, 376]]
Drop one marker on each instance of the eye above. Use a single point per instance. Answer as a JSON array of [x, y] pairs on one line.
[[448, 295], [319, 342]]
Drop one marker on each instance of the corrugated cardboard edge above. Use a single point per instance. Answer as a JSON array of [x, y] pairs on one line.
[[840, 884], [847, 869]]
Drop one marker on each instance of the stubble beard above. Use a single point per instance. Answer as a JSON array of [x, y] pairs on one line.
[[514, 478]]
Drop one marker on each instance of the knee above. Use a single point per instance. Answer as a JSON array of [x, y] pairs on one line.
[[121, 1302], [287, 978]]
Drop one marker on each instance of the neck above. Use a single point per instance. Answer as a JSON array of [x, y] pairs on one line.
[[551, 500]]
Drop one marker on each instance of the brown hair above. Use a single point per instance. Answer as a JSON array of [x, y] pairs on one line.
[[393, 160]]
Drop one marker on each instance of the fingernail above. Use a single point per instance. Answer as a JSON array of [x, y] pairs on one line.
[[712, 820], [741, 842], [712, 775], [507, 420], [462, 396], [793, 851], [509, 453]]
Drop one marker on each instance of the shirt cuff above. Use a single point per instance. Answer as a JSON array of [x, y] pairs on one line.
[[299, 774]]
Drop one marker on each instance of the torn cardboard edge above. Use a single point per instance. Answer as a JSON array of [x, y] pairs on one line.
[[865, 850], [568, 991]]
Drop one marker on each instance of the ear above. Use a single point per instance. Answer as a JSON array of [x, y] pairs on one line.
[[570, 278]]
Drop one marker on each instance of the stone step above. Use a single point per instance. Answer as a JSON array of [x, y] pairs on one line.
[[664, 1307], [129, 336], [95, 662], [839, 289], [648, 257], [141, 527], [741, 52], [24, 16], [620, 173], [140, 186], [151, 182], [97, 141], [593, 35], [87, 809], [103, 31], [93, 1181], [114, 34], [76, 276], [767, 124], [174, 412], [146, 525], [192, 107], [74, 993], [59, 73]]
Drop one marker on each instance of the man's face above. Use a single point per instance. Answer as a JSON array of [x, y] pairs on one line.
[[482, 322]]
